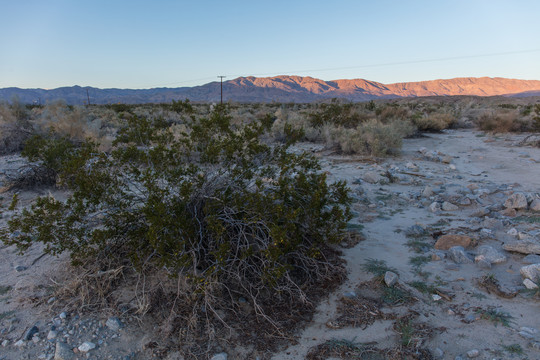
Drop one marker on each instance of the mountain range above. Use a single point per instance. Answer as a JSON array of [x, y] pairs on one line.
[[281, 89]]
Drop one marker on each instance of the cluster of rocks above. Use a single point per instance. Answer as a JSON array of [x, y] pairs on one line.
[[67, 337]]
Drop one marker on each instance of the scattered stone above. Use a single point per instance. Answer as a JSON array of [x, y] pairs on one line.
[[438, 255], [483, 211], [469, 318], [490, 254], [509, 212], [350, 294], [512, 232], [5, 343], [435, 297], [465, 201], [445, 242], [531, 272], [438, 353], [415, 231], [86, 346], [481, 261], [428, 191], [31, 332], [411, 166], [531, 259], [113, 323], [52, 335], [516, 201], [62, 315], [374, 178], [529, 284], [535, 345], [535, 205], [63, 352], [19, 343], [447, 206], [20, 268], [458, 254], [220, 356], [390, 278], [523, 246], [473, 353], [435, 207]]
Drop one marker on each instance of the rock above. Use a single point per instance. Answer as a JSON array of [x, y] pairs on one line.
[[445, 242], [62, 315], [5, 343], [490, 254], [350, 294], [473, 353], [86, 346], [516, 201], [438, 255], [20, 268], [220, 356], [63, 352], [483, 211], [447, 206], [512, 232], [458, 254], [523, 246], [469, 318], [435, 207], [52, 335], [530, 330], [531, 259], [415, 231], [509, 212], [31, 332], [535, 205], [464, 201], [529, 284], [531, 272], [374, 178], [481, 261], [447, 159], [436, 297], [428, 191], [113, 323], [438, 353], [20, 343], [411, 166], [390, 278]]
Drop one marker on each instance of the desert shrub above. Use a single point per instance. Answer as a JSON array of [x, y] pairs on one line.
[[503, 121], [372, 138], [229, 215], [434, 121], [337, 114], [392, 112], [15, 127]]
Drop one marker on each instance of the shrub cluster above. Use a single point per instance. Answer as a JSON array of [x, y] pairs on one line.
[[230, 215]]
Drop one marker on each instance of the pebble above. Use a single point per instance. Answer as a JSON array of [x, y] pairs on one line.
[[5, 343], [52, 335], [447, 206], [438, 353], [19, 343], [220, 356], [473, 353], [113, 323], [62, 315], [86, 346], [529, 284], [469, 318], [390, 278], [63, 352], [31, 332]]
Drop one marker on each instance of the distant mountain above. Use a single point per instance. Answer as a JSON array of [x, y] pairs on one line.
[[281, 89]]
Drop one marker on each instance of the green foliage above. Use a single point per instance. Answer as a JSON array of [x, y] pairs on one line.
[[377, 267], [213, 204], [182, 107], [335, 113], [514, 349], [496, 316]]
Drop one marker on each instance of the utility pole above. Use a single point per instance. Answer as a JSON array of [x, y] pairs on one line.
[[221, 86], [88, 96]]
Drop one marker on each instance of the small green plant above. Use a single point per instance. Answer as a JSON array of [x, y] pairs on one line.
[[4, 289], [495, 316], [423, 287], [515, 349], [417, 262], [377, 267], [417, 245], [395, 296], [405, 329], [528, 219]]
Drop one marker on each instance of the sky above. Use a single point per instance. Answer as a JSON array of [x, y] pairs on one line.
[[164, 43]]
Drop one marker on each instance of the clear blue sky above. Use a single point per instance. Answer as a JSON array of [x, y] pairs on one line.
[[144, 44]]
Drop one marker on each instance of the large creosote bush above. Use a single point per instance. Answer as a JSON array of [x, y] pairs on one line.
[[231, 215]]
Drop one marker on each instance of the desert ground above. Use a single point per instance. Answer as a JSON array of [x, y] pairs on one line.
[[408, 286]]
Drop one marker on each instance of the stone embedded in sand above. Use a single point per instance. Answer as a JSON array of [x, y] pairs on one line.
[[458, 254], [435, 207], [509, 212], [473, 353], [86, 346], [490, 254], [445, 242], [535, 205], [531, 259], [447, 206], [374, 178], [516, 201], [428, 191], [529, 284], [113, 323], [531, 272], [390, 278], [523, 246], [63, 352], [220, 356]]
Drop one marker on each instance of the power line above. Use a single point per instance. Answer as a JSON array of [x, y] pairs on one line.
[[418, 61]]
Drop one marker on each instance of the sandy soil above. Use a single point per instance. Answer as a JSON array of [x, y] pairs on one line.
[[448, 163]]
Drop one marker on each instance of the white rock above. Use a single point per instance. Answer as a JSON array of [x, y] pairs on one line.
[[512, 232], [113, 323], [86, 346], [390, 278], [473, 353], [535, 205], [529, 284], [5, 343], [447, 206], [51, 335], [19, 343], [436, 297], [220, 356], [435, 207], [490, 254], [516, 201], [531, 272]]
